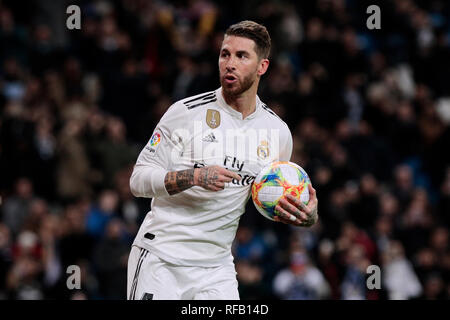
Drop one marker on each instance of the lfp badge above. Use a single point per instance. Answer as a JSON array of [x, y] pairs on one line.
[[153, 143], [155, 139]]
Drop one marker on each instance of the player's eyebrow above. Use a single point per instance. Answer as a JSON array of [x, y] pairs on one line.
[[243, 52]]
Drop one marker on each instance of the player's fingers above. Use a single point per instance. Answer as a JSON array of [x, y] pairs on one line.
[[298, 203], [312, 205], [312, 191], [286, 216], [277, 219], [225, 179], [214, 188], [231, 174], [292, 209], [313, 201], [220, 185]]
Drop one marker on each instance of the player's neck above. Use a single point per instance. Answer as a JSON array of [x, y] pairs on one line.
[[245, 103]]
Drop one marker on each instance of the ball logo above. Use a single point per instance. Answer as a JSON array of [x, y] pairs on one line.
[[155, 139]]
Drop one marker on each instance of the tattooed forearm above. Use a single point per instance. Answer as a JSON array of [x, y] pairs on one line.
[[211, 178], [207, 176], [178, 181]]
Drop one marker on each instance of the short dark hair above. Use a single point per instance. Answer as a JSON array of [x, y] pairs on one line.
[[253, 31]]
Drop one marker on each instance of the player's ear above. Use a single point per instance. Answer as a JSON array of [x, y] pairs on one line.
[[263, 66]]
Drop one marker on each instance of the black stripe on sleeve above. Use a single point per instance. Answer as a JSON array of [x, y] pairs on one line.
[[201, 103], [204, 96], [269, 110]]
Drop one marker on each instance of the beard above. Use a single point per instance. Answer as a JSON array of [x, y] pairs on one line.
[[239, 87]]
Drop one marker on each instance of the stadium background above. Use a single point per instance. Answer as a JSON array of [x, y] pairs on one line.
[[369, 111]]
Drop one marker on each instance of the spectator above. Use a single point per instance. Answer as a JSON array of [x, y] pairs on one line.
[[5, 258], [114, 153], [73, 167], [16, 208], [353, 285], [249, 245], [111, 259], [23, 279], [100, 214], [301, 280], [399, 277]]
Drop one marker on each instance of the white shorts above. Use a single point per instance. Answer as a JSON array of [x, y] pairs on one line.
[[149, 278]]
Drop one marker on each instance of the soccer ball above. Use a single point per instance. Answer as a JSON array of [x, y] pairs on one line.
[[276, 180]]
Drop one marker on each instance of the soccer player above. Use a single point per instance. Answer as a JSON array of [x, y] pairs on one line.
[[198, 167]]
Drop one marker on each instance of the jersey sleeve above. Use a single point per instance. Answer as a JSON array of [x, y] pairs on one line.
[[286, 146], [156, 158]]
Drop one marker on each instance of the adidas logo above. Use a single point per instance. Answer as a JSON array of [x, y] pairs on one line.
[[210, 138]]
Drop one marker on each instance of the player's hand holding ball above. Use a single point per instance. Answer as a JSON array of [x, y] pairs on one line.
[[282, 192], [304, 215]]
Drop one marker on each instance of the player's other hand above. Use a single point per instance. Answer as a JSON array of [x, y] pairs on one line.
[[213, 177], [292, 211]]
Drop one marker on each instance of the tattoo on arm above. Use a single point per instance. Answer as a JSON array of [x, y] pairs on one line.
[[311, 219], [178, 181], [207, 176]]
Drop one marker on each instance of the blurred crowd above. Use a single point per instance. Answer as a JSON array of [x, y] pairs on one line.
[[369, 111]]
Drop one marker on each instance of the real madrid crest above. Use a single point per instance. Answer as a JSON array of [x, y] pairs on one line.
[[213, 118], [263, 150]]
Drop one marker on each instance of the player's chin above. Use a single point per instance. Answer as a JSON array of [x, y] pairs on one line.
[[231, 88]]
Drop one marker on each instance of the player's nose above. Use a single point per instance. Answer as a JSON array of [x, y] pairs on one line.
[[230, 65], [230, 69]]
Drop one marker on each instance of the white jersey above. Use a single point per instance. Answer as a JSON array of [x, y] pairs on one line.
[[196, 227]]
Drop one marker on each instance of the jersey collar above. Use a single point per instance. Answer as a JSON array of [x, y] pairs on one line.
[[234, 112]]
